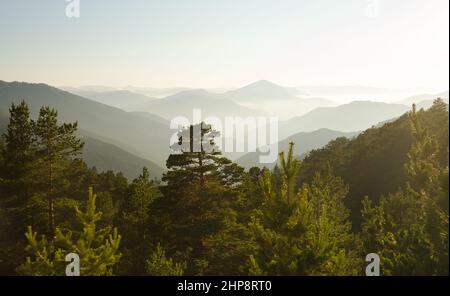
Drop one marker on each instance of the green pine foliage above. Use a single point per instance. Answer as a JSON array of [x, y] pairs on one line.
[[135, 221], [17, 152], [15, 185], [56, 145], [197, 207], [373, 163], [98, 249], [303, 234], [409, 229], [159, 265]]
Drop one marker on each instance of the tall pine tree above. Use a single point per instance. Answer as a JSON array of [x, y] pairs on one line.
[[200, 188], [305, 233], [16, 185], [56, 146]]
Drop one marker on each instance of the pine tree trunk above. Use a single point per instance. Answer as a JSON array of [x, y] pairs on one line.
[[51, 204], [200, 163]]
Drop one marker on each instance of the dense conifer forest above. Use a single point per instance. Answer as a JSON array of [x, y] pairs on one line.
[[385, 191]]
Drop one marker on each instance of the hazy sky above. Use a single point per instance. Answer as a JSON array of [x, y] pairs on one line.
[[222, 43]]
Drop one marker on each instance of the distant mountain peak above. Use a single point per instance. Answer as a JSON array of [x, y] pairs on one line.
[[264, 84], [260, 91]]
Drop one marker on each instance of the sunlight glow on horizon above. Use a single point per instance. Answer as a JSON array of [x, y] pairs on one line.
[[225, 44]]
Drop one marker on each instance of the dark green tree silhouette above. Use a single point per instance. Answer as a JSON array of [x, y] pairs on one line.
[[135, 222], [56, 145], [201, 186]]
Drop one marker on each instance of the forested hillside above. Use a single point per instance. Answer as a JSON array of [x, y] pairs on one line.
[[104, 156], [148, 137], [209, 216], [312, 140], [373, 163]]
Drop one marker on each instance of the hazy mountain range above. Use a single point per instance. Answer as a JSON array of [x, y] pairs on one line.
[[261, 97], [262, 91], [424, 100], [355, 116], [183, 103], [148, 138], [152, 92], [276, 100], [128, 140], [122, 99], [105, 156], [304, 142]]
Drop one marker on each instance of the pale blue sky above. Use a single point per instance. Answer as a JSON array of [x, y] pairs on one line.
[[224, 43]]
